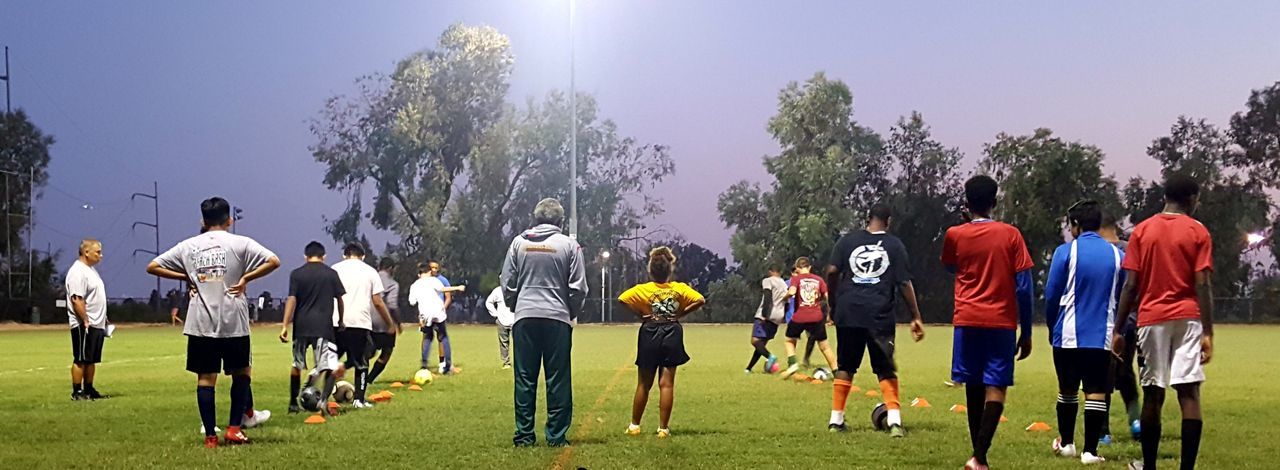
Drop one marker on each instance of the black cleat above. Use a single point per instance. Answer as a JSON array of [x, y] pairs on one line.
[[93, 394], [294, 409], [77, 396], [833, 427]]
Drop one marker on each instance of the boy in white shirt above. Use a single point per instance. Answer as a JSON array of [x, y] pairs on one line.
[[425, 294]]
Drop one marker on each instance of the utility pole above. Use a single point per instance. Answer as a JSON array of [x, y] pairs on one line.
[[8, 105], [8, 229], [237, 213], [155, 226], [573, 135]]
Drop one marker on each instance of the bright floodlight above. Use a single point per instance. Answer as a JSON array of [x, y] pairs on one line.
[[605, 255], [1255, 238]]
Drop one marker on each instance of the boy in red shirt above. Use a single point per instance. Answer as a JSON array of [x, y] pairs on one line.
[[993, 297], [809, 291], [1170, 261]]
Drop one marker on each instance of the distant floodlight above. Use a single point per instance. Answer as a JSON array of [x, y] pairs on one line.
[[605, 255], [86, 206], [1255, 238]]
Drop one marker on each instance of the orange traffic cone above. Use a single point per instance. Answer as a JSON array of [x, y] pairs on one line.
[[959, 408], [1038, 427], [1004, 419], [415, 388], [920, 403], [315, 419], [872, 393], [397, 384], [855, 389]]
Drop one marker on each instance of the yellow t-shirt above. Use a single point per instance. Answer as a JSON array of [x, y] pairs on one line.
[[659, 302]]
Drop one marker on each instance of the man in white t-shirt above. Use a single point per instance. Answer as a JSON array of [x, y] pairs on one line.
[[364, 296], [87, 314], [498, 309], [425, 294]]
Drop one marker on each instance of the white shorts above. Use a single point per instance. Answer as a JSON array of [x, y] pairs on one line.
[[1169, 353], [324, 351]]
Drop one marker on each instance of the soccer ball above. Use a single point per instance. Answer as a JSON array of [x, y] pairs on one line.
[[822, 374], [310, 398], [775, 368], [880, 417], [423, 377], [344, 392]]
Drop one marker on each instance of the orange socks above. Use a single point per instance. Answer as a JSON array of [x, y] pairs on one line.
[[889, 390], [840, 394]]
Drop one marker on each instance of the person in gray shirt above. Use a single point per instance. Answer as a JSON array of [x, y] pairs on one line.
[[220, 266], [544, 283], [384, 335]]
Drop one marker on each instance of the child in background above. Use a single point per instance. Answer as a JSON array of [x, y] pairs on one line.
[[660, 345], [425, 294]]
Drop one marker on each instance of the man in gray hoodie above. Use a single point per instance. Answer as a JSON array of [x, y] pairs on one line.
[[544, 283]]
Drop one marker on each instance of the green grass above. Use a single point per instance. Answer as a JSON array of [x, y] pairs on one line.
[[722, 419]]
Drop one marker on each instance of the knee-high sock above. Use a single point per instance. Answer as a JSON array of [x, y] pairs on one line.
[[839, 397], [975, 400], [889, 391], [1150, 437], [1095, 414], [755, 357], [295, 387], [378, 367], [239, 394], [248, 401], [991, 413], [205, 401], [1068, 406], [1191, 429], [362, 383]]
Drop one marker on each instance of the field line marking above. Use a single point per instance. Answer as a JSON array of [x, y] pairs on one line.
[[122, 361], [563, 458]]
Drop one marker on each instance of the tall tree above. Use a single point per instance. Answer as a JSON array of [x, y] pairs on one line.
[[24, 160]]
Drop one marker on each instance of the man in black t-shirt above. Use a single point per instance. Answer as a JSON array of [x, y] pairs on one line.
[[869, 270], [314, 289]]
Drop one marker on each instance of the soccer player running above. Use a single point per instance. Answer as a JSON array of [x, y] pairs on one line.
[[660, 304], [1125, 379], [220, 265], [425, 294], [1080, 311], [384, 334], [870, 270], [314, 290], [1169, 265], [993, 299], [87, 314], [771, 313], [363, 298], [810, 292], [497, 308]]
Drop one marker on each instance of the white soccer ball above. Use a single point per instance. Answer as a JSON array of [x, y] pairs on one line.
[[822, 374], [344, 392]]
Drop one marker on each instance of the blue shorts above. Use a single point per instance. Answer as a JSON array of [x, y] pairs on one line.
[[983, 355], [764, 329]]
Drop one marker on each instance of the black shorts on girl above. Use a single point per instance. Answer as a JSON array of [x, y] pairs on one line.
[[660, 345]]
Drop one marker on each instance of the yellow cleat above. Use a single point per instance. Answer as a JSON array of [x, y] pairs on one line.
[[664, 433], [633, 430]]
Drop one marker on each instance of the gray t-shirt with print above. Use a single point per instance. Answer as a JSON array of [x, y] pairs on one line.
[[214, 261]]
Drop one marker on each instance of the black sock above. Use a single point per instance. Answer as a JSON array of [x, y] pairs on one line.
[[328, 391], [1068, 406], [378, 367], [88, 387], [1106, 423], [362, 383], [975, 400], [248, 399], [990, 421], [205, 401], [239, 394], [76, 388], [1191, 429], [1150, 439], [295, 388], [1095, 414], [755, 357]]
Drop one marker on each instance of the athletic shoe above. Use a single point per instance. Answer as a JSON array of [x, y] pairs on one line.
[[216, 429], [768, 363], [664, 433], [632, 430], [1105, 440], [558, 444], [1135, 465], [294, 409], [744, 371], [1135, 429], [506, 366], [77, 396], [837, 427], [973, 464], [211, 442], [258, 417], [790, 371], [443, 369], [1090, 459], [93, 394], [235, 437], [1068, 450], [361, 404], [897, 431]]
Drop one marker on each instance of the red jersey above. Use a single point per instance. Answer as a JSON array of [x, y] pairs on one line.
[[1166, 251], [986, 256], [810, 290]]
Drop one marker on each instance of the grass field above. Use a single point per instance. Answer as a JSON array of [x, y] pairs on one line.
[[722, 418]]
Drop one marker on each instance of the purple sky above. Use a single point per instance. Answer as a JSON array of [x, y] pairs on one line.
[[212, 98]]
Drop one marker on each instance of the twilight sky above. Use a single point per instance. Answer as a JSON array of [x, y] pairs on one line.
[[211, 98]]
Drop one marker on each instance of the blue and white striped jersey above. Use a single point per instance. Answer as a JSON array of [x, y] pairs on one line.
[[1082, 292]]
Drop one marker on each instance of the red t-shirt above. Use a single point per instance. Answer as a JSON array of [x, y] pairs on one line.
[[1166, 251], [810, 290], [986, 255]]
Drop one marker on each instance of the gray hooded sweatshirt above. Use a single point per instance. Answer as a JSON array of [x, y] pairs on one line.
[[543, 275]]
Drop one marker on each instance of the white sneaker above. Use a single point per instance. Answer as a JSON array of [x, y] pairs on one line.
[[791, 371], [216, 430], [361, 404], [1068, 451], [442, 368], [1090, 459], [259, 417]]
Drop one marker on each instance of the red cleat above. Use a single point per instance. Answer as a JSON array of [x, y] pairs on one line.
[[211, 442], [234, 436]]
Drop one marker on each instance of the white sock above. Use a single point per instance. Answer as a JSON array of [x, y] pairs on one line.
[[837, 417], [895, 417], [633, 426]]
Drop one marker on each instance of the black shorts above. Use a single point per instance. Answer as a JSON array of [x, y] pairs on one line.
[[385, 342], [210, 355], [354, 343], [86, 344], [439, 329], [817, 330], [660, 345], [764, 329], [852, 342], [1092, 367]]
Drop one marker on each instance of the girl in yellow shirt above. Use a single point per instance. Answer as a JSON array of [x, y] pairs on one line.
[[660, 345]]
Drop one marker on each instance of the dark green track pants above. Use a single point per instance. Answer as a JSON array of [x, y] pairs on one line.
[[547, 343]]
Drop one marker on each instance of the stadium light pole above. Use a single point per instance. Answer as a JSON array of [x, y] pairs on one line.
[[604, 269], [573, 134]]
